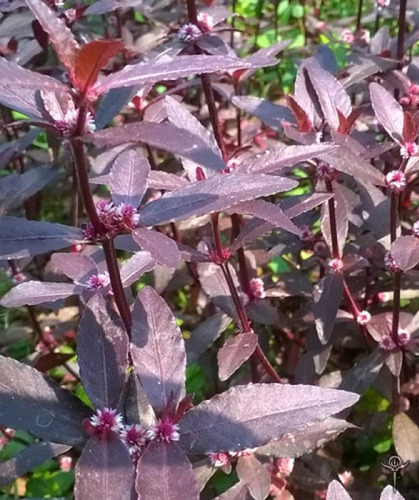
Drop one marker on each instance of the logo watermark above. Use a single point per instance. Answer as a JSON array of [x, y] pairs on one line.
[[394, 466]]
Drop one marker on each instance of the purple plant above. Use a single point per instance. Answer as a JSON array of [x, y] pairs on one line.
[[325, 181]]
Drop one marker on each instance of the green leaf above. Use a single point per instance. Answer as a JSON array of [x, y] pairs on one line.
[[279, 266], [50, 484], [298, 11], [195, 381]]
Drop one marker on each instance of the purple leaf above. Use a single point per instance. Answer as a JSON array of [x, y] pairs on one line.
[[214, 45], [388, 111], [102, 352], [237, 492], [104, 471], [405, 252], [158, 350], [111, 104], [362, 374], [236, 351], [104, 6], [136, 266], [269, 113], [165, 181], [30, 401], [263, 312], [128, 178], [255, 476], [336, 491], [165, 473], [365, 65], [14, 78], [250, 416], [406, 438], [389, 493], [163, 136], [204, 335], [255, 228], [27, 459], [78, 267], [344, 160], [167, 68], [61, 37], [15, 189], [308, 203], [23, 238], [305, 440], [214, 284], [327, 296], [342, 222], [263, 57], [31, 293], [211, 195], [180, 117], [330, 93], [163, 249], [268, 212], [287, 156]]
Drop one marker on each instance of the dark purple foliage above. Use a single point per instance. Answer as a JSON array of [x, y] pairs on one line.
[[178, 234]]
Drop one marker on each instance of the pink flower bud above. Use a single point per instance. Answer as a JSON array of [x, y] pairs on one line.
[[407, 150], [336, 265], [189, 33], [396, 181], [363, 318], [205, 22], [220, 459], [106, 422], [65, 463], [257, 288], [134, 438], [390, 264], [165, 431]]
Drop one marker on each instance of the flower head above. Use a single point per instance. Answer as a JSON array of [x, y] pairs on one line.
[[219, 259], [381, 4], [363, 318], [134, 438], [65, 462], [336, 265], [390, 263], [408, 149], [205, 22], [220, 459], [106, 422], [165, 431], [257, 288], [325, 171], [98, 281], [396, 181], [189, 33]]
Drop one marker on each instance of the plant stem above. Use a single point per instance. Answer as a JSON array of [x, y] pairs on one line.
[[236, 299], [244, 275], [333, 223], [115, 277], [212, 109], [83, 178], [108, 245], [359, 16], [336, 255], [192, 12], [401, 30], [394, 205]]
